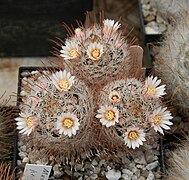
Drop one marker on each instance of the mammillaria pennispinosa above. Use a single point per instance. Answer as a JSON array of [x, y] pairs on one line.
[[58, 108], [172, 64], [130, 109], [90, 102], [98, 51]]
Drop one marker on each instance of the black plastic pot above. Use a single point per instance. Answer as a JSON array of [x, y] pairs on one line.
[[28, 27], [148, 38]]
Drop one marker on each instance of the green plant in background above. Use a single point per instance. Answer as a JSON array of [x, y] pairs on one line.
[[172, 64], [7, 131], [56, 115]]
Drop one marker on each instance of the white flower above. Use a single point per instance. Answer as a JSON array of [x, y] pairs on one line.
[[110, 26], [95, 51], [26, 123], [68, 124], [79, 33], [160, 119], [134, 137], [70, 50], [108, 115], [114, 97], [151, 89], [62, 80]]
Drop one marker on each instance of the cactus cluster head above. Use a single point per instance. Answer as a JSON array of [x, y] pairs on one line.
[[172, 64], [56, 107], [97, 51], [131, 108]]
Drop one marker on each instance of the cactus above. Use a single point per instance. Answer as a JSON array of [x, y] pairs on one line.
[[97, 51], [56, 115], [7, 131], [179, 162], [172, 64], [170, 8], [5, 171], [129, 109]]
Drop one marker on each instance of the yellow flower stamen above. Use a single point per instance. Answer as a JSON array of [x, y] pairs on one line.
[[29, 122], [63, 84], [151, 90], [109, 115], [73, 53], [157, 119], [95, 53], [133, 135], [68, 123]]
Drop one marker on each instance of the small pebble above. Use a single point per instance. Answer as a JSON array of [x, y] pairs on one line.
[[113, 174], [25, 160], [141, 178], [149, 18], [126, 177], [150, 176], [94, 162], [94, 176], [152, 165]]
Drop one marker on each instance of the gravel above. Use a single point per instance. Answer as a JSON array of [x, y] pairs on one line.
[[154, 23]]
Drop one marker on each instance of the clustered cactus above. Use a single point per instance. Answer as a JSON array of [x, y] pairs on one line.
[[172, 64], [68, 113]]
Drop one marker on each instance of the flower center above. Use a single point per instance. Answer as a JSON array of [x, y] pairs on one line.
[[109, 115], [115, 97], [151, 90], [29, 122], [68, 123], [63, 84], [133, 135], [73, 53], [95, 53], [157, 120]]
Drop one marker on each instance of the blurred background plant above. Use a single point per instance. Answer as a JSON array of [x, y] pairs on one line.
[[170, 9], [6, 172], [178, 164], [7, 130], [172, 65]]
